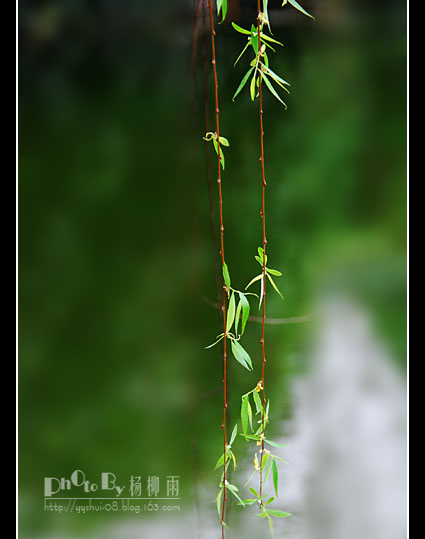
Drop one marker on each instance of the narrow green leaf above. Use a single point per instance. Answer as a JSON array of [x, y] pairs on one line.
[[241, 54], [269, 500], [274, 285], [244, 414], [261, 254], [224, 10], [277, 513], [261, 290], [219, 4], [222, 162], [230, 312], [239, 29], [237, 496], [233, 436], [254, 39], [274, 444], [271, 526], [241, 355], [234, 459], [219, 502], [249, 501], [252, 437], [243, 82], [237, 317], [266, 14], [245, 310], [296, 5], [277, 78], [269, 46], [268, 38], [253, 491], [257, 401], [222, 5], [249, 413], [252, 281], [252, 87], [226, 275], [224, 141], [275, 477], [220, 461], [273, 91], [274, 272], [269, 467], [214, 343]]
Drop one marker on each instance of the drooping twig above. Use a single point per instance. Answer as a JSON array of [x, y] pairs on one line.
[[263, 217], [217, 128]]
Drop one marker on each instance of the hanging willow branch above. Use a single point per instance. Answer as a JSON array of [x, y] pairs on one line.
[[263, 217], [220, 198], [260, 71], [238, 308]]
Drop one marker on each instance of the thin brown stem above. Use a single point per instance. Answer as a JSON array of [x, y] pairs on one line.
[[263, 217], [220, 197]]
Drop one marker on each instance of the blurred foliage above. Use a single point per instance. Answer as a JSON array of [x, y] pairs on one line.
[[114, 245]]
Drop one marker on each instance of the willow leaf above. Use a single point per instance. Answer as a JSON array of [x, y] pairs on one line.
[[226, 275], [296, 5], [222, 5], [245, 310], [219, 502], [275, 477], [252, 281], [252, 87], [230, 312], [241, 54], [237, 317], [241, 355], [240, 30], [244, 414], [272, 90], [274, 285], [214, 343], [233, 436], [277, 513], [243, 82], [274, 272]]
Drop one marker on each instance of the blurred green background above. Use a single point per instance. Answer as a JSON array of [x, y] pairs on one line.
[[115, 258]]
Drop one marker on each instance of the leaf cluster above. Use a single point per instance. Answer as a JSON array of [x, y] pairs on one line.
[[223, 142], [262, 260]]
